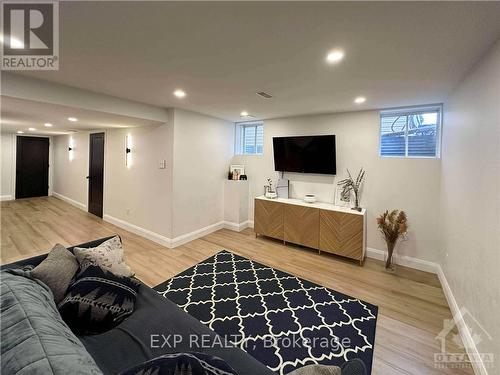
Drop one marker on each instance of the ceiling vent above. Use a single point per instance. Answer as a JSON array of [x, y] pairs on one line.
[[264, 95]]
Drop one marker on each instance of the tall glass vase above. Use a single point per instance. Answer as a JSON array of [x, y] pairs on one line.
[[390, 265]]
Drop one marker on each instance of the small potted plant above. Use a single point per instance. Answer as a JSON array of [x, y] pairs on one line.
[[393, 226]]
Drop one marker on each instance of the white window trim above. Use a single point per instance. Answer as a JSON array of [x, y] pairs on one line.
[[412, 110], [240, 138]]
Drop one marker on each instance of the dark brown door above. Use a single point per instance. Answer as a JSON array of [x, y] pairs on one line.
[[32, 167], [96, 173]]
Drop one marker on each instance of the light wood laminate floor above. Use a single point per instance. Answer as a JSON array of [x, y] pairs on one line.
[[411, 303]]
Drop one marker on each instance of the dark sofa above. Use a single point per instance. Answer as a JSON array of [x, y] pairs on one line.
[[130, 343]]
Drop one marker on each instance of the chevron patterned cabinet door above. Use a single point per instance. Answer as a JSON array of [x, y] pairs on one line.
[[341, 234], [268, 218], [302, 225]]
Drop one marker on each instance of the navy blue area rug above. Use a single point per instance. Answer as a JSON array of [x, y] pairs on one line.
[[283, 321]]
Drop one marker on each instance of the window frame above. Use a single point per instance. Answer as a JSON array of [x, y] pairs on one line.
[[240, 137], [409, 111]]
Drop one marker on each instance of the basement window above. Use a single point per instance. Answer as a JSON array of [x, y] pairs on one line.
[[249, 138], [413, 132]]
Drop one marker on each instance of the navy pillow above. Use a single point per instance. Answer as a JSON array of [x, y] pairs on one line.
[[182, 364], [98, 300]]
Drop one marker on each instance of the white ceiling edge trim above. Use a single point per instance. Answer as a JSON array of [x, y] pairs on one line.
[[27, 88]]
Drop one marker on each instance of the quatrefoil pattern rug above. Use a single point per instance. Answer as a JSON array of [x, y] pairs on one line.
[[283, 321]]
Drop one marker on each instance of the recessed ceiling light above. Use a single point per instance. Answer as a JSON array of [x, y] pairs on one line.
[[180, 93], [31, 129], [360, 99], [244, 114], [47, 124], [20, 132], [335, 56], [72, 119]]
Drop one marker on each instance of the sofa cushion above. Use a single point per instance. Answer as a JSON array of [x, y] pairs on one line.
[[108, 255], [183, 363], [57, 270], [34, 338], [98, 300]]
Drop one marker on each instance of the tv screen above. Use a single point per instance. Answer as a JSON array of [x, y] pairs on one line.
[[307, 154]]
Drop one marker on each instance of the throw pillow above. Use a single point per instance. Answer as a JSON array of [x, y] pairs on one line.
[[183, 364], [57, 271], [98, 300], [108, 255]]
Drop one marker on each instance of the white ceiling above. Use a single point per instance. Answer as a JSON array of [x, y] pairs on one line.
[[20, 114], [396, 54]]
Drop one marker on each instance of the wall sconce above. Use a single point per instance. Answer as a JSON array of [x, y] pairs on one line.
[[71, 148], [128, 150]]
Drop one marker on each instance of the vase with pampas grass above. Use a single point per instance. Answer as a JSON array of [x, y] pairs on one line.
[[393, 226]]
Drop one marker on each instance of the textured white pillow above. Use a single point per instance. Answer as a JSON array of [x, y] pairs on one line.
[[108, 255]]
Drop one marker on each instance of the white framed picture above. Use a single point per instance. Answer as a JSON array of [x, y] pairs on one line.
[[341, 200], [237, 170]]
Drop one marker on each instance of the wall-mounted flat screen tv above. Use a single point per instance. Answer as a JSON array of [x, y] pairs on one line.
[[306, 154]]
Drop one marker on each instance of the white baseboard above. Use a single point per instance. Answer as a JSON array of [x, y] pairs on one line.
[[182, 239], [237, 227], [463, 329], [165, 241], [403, 260], [6, 197], [153, 236], [70, 201]]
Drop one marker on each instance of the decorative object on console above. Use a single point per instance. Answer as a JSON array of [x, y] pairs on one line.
[[237, 170], [269, 192], [340, 200], [243, 177], [309, 198], [282, 188], [393, 225], [252, 302], [350, 185]]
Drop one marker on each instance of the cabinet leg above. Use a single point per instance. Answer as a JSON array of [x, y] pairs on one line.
[[284, 242], [319, 251], [256, 235]]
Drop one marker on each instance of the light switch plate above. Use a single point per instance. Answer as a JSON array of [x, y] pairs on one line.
[[162, 164]]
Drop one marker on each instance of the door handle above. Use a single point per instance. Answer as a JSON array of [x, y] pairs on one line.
[[88, 177]]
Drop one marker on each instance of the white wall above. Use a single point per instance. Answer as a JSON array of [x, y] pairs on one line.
[[7, 152], [70, 175], [203, 147], [186, 196], [140, 194], [470, 198], [391, 183]]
